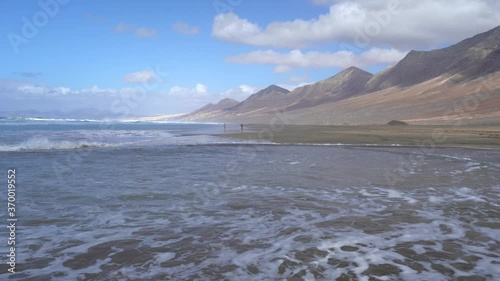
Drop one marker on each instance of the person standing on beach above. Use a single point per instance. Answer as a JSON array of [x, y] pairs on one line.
[[241, 127], [224, 127]]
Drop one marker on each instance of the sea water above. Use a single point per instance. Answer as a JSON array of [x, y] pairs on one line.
[[161, 201]]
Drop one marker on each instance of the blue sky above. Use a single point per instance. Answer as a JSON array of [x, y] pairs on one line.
[[175, 56]]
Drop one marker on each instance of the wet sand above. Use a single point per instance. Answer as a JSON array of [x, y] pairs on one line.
[[484, 136]]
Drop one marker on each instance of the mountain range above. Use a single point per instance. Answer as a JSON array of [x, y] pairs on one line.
[[457, 83]]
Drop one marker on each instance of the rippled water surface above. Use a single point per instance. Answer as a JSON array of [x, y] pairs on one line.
[[163, 205]]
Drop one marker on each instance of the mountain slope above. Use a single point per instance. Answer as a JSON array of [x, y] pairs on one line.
[[265, 99], [436, 101], [221, 105], [209, 112], [420, 66], [348, 83], [461, 82]]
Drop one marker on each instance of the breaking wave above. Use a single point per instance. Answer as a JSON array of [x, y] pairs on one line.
[[47, 119], [42, 143]]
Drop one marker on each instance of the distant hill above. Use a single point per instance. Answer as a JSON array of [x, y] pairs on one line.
[[267, 98], [348, 83], [345, 84], [426, 87], [221, 105]]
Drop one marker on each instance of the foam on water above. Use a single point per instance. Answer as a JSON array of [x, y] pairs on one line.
[[352, 232], [207, 210], [22, 119], [42, 143], [77, 139]]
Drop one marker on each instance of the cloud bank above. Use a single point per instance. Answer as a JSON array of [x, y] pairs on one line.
[[144, 76], [20, 95], [367, 32], [401, 24], [286, 62]]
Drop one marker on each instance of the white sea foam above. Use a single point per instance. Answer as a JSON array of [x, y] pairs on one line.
[[51, 119], [261, 227], [42, 143], [348, 243], [163, 257], [453, 157]]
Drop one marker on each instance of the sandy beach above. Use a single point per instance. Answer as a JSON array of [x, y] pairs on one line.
[[485, 136]]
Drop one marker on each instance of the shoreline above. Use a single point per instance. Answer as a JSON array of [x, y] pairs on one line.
[[442, 136]]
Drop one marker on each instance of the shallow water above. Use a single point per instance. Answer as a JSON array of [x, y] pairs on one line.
[[194, 207]]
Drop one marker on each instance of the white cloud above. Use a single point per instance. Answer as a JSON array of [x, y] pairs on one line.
[[199, 90], [25, 95], [239, 93], [292, 87], [63, 90], [298, 59], [199, 95], [400, 24], [138, 31], [184, 28], [37, 90], [95, 91], [33, 90], [143, 76]]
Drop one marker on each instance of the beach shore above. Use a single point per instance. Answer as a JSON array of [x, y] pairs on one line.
[[484, 136]]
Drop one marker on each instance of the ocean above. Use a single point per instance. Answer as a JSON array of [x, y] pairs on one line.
[[137, 200]]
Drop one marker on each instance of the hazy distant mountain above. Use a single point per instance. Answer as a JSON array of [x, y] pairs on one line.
[[264, 100], [345, 84], [209, 112], [221, 105], [425, 87], [348, 83]]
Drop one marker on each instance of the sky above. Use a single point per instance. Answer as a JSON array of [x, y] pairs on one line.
[[165, 57]]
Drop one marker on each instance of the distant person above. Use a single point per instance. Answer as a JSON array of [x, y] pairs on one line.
[[224, 127], [241, 127]]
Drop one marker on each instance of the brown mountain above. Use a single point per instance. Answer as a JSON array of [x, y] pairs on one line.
[[348, 83], [221, 105], [268, 98], [210, 111], [345, 84], [426, 87], [466, 57]]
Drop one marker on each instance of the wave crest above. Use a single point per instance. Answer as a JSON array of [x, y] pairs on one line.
[[42, 143]]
